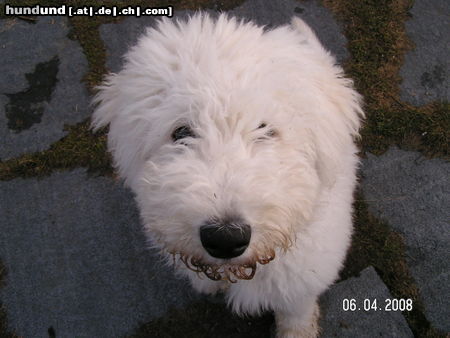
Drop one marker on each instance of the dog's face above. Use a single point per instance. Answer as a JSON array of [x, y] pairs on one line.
[[231, 181], [222, 132]]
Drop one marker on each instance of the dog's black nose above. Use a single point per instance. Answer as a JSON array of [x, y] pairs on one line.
[[225, 239]]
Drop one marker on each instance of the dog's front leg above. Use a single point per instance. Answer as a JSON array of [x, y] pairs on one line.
[[298, 322]]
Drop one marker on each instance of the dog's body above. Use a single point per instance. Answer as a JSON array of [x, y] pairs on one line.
[[238, 144]]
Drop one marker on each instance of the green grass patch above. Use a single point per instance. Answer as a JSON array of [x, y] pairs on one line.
[[377, 43], [80, 148], [426, 129]]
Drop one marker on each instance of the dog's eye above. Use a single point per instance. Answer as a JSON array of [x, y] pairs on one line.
[[269, 133], [182, 132]]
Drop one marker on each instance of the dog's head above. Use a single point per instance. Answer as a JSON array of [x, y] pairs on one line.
[[227, 134]]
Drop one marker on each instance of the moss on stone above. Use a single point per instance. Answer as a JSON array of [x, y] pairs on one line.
[[80, 148], [377, 42]]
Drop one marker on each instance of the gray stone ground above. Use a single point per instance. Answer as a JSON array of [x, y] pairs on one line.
[[40, 84], [417, 206], [425, 71], [76, 258]]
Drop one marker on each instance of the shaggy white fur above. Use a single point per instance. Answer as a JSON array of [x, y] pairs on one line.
[[212, 119]]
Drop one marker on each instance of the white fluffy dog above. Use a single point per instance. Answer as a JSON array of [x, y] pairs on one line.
[[238, 144]]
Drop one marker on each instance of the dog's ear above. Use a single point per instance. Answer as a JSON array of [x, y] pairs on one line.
[[339, 117], [337, 128], [305, 32]]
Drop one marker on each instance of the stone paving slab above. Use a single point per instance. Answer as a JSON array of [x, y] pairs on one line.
[[40, 84], [77, 261], [336, 322], [426, 69], [118, 37], [412, 194]]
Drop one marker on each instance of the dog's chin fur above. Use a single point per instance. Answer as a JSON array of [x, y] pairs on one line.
[[228, 270], [272, 121]]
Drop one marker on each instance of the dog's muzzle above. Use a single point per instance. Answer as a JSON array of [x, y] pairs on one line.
[[225, 239]]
